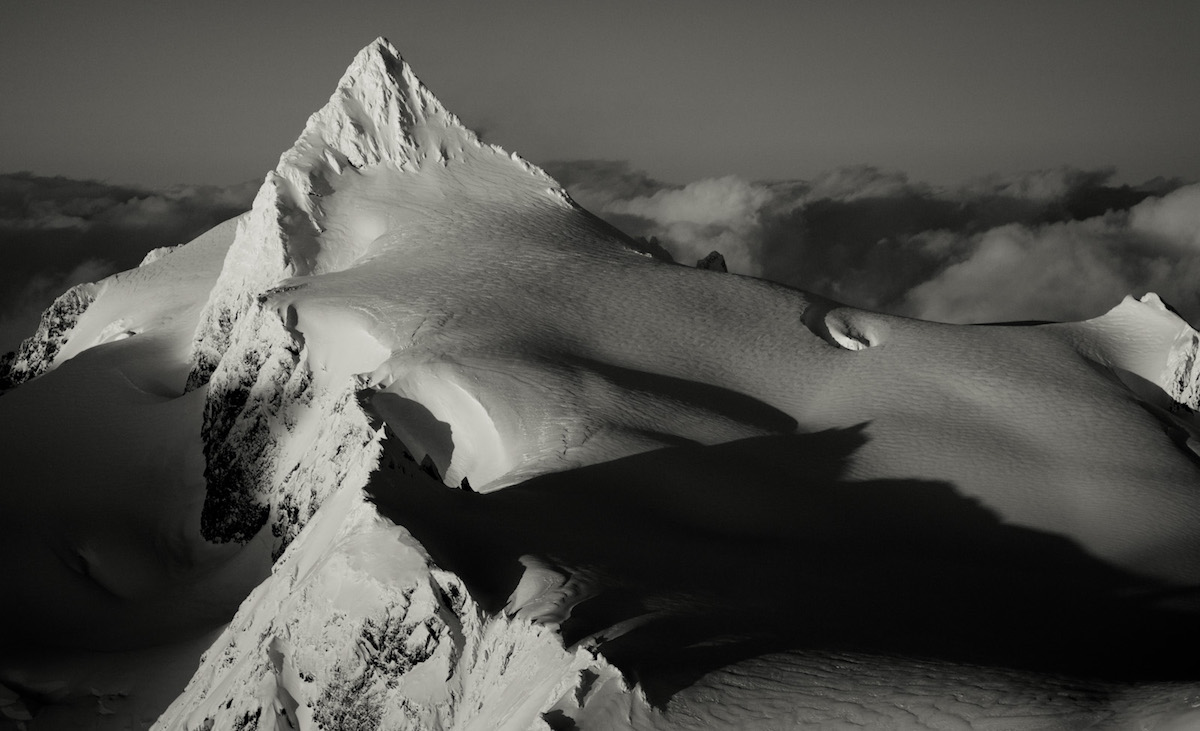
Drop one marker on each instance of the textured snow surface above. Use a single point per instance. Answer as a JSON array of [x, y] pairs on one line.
[[518, 474], [382, 154]]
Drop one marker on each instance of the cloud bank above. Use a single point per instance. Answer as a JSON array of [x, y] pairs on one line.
[[1058, 244], [57, 232]]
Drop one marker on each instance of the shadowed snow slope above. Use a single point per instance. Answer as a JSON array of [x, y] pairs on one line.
[[688, 499], [102, 488]]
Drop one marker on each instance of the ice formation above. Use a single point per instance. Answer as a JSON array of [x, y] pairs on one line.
[[462, 456]]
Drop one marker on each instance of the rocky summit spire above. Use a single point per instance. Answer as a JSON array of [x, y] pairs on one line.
[[382, 157], [380, 114]]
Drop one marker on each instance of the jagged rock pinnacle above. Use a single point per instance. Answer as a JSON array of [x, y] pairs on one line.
[[713, 262]]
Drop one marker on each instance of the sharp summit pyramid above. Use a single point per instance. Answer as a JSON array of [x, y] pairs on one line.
[[380, 116], [417, 442]]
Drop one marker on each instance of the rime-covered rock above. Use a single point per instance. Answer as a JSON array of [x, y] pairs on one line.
[[713, 262], [37, 353], [1183, 367], [355, 629]]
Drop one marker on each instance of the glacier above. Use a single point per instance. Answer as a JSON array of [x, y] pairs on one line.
[[417, 442]]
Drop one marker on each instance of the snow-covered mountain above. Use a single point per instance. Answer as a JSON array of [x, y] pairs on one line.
[[417, 442]]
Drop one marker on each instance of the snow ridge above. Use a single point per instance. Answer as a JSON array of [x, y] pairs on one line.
[[355, 629], [257, 259], [155, 254], [262, 398], [288, 447], [37, 352], [393, 258], [380, 113], [277, 440]]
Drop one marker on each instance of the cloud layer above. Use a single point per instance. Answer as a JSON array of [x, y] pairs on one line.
[[56, 232], [1057, 244]]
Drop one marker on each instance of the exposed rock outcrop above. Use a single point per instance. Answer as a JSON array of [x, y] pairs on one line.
[[356, 630], [713, 262], [276, 441], [1183, 365], [37, 353]]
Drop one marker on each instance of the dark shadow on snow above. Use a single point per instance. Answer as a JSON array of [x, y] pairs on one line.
[[734, 405], [428, 439], [763, 545]]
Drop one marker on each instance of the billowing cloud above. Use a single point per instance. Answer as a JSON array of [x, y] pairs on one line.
[[716, 213], [856, 182], [1052, 244], [56, 232], [1061, 243], [1174, 218], [1072, 269], [595, 183]]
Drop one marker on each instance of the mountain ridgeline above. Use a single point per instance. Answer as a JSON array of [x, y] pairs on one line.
[[417, 442]]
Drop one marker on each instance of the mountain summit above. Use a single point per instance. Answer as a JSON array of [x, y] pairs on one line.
[[380, 112], [380, 118], [417, 442]]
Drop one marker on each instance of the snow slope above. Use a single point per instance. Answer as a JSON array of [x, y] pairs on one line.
[[103, 482], [519, 474]]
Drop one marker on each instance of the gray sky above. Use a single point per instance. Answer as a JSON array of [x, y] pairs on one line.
[[212, 92], [670, 119]]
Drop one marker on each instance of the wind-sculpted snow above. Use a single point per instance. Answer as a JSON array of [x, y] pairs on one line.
[[313, 214], [628, 422], [603, 491], [380, 114], [1179, 376], [845, 691], [155, 254], [1147, 339], [37, 353]]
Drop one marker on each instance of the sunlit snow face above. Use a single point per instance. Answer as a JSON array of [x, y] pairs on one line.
[[543, 343], [679, 467], [670, 442]]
